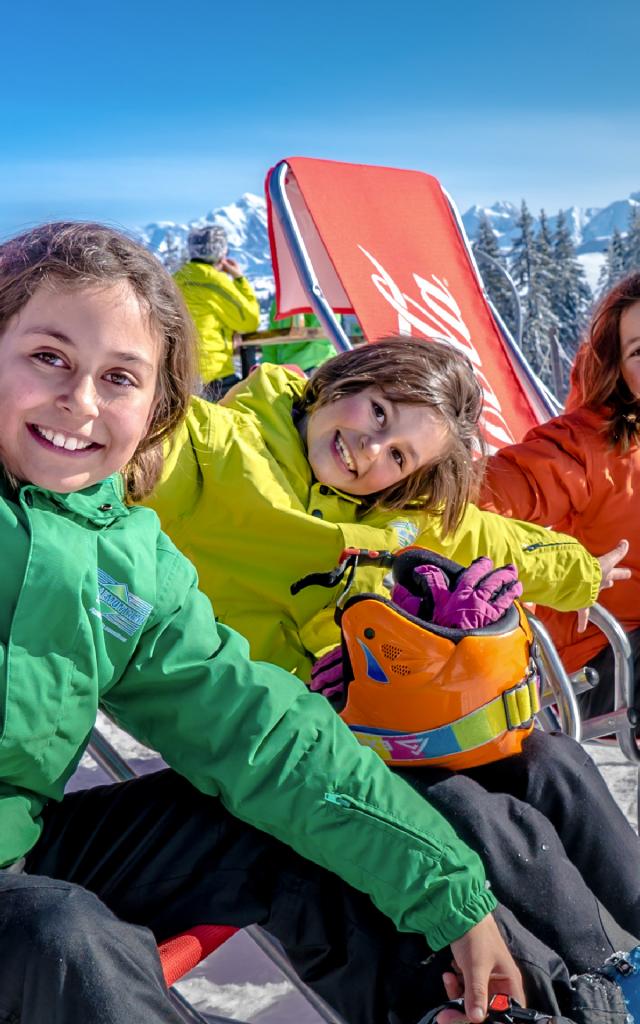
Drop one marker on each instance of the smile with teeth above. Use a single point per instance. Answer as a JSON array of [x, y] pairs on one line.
[[66, 441], [344, 454]]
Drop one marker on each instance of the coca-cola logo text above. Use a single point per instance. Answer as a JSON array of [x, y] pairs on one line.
[[438, 315]]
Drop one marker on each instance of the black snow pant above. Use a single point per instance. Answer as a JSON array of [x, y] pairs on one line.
[[156, 854], [599, 700], [544, 822]]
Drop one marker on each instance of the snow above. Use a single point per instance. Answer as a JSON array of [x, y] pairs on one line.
[[591, 227], [245, 222], [592, 263]]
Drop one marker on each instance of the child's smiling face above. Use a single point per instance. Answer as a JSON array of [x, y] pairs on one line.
[[78, 376], [365, 443]]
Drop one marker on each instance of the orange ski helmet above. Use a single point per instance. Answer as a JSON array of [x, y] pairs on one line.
[[423, 694]]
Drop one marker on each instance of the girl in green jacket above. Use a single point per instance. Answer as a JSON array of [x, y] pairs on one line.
[[270, 811], [269, 803]]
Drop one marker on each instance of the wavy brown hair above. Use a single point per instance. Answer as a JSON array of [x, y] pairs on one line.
[[412, 372], [596, 377], [78, 255]]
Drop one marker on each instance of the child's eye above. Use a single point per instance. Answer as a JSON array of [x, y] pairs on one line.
[[121, 379], [49, 358], [379, 413], [397, 456]]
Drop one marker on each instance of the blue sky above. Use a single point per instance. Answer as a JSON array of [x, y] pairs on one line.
[[138, 111]]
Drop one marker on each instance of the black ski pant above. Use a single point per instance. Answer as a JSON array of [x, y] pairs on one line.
[[156, 854], [599, 700], [544, 822]]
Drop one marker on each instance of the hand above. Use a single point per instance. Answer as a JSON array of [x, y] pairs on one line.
[[482, 966], [611, 573], [231, 267], [326, 674], [481, 594]]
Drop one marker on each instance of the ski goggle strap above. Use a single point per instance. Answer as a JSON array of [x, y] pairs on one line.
[[512, 709]]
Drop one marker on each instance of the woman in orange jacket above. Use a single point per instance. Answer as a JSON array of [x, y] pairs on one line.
[[580, 473]]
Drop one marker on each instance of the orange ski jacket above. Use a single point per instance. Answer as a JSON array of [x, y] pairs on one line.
[[564, 474]]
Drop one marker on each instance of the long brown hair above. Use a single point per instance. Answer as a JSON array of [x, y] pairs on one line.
[[413, 372], [79, 255], [596, 378]]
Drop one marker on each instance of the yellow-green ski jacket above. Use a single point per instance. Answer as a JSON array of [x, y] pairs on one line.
[[238, 497], [220, 306]]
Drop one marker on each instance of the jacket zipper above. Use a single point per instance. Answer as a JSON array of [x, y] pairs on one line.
[[553, 544], [341, 800]]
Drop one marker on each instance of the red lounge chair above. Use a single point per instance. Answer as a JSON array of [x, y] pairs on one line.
[[389, 246]]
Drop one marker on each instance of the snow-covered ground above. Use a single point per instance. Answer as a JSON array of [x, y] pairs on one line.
[[592, 263], [238, 980]]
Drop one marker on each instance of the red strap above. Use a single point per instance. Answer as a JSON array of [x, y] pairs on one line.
[[183, 952]]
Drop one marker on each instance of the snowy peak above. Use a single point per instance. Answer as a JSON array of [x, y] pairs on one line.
[[245, 222], [604, 222], [590, 227], [502, 217]]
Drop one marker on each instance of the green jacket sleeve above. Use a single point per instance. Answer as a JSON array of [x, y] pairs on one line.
[[281, 759]]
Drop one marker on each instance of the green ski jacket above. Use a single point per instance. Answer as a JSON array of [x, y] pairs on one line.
[[99, 609]]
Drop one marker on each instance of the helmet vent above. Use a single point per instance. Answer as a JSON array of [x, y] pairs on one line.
[[391, 651], [401, 670]]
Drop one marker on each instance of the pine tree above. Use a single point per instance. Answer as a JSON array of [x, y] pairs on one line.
[[613, 267], [632, 242], [531, 267], [570, 298], [490, 259]]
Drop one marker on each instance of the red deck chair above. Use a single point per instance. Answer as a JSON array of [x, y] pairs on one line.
[[389, 246]]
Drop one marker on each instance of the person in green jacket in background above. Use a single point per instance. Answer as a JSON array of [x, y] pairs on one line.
[[221, 302], [306, 354]]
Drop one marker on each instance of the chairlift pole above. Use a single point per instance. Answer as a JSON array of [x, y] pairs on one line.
[[514, 291], [556, 368]]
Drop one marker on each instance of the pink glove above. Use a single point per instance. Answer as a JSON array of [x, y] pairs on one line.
[[405, 600], [326, 674], [481, 594]]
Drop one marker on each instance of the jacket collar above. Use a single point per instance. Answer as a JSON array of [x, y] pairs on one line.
[[101, 503]]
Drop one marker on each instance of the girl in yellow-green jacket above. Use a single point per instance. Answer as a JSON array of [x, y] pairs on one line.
[[375, 452], [260, 493]]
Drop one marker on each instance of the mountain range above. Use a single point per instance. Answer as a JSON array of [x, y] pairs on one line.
[[246, 224]]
